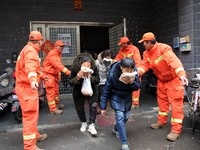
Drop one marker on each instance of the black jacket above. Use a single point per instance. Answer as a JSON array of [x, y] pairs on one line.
[[77, 84], [119, 94]]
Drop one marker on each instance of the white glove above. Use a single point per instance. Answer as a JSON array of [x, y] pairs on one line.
[[34, 85], [184, 80]]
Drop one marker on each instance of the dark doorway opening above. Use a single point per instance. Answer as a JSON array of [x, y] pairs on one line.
[[94, 39]]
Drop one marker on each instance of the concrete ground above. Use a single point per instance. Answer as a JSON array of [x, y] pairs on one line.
[[63, 130]]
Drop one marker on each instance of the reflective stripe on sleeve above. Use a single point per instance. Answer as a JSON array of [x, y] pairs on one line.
[[178, 70], [32, 74], [19, 57], [64, 70]]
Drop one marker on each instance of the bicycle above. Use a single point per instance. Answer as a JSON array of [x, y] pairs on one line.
[[193, 95]]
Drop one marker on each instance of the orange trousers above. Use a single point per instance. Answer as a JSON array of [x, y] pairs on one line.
[[136, 97], [29, 103], [171, 93], [52, 92]]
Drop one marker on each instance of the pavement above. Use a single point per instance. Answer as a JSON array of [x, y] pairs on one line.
[[64, 134]]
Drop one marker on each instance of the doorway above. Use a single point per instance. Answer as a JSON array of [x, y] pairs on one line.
[[91, 37], [94, 39]]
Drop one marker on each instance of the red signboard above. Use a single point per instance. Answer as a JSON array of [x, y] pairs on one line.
[[78, 5]]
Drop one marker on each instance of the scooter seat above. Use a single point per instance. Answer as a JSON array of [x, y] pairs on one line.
[[197, 79]]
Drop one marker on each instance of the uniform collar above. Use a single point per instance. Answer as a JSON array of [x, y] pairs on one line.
[[34, 46]]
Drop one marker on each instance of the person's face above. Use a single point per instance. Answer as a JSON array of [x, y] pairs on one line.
[[86, 64], [61, 48], [128, 70], [147, 44], [40, 43], [124, 45]]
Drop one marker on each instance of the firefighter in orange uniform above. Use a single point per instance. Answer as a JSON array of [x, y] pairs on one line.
[[129, 50], [171, 78], [27, 79], [52, 67]]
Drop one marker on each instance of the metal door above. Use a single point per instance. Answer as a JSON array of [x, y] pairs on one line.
[[69, 34], [115, 33]]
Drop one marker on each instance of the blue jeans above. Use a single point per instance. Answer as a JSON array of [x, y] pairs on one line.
[[121, 119]]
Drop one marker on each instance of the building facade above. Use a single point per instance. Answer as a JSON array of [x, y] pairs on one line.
[[97, 21]]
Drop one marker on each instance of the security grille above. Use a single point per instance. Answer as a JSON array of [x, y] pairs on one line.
[[115, 33], [69, 35]]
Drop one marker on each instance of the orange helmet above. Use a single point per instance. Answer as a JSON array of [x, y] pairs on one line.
[[35, 36], [59, 43], [147, 37], [123, 40]]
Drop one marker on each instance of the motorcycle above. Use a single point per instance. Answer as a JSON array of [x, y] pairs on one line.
[[8, 95]]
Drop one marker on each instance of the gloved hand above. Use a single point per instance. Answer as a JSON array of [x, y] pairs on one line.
[[184, 80], [34, 85], [43, 76]]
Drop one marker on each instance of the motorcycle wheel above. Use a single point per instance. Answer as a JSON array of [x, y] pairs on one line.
[[18, 115]]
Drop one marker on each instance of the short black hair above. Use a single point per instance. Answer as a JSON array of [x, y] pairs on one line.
[[84, 58], [107, 53], [127, 63]]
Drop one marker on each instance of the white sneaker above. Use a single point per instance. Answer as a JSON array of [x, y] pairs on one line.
[[92, 129], [83, 126]]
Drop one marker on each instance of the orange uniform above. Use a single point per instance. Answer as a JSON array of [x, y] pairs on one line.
[[27, 71], [134, 53], [52, 67], [168, 69]]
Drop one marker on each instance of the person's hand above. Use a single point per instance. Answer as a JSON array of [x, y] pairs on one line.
[[79, 75], [34, 85], [46, 78], [184, 80], [103, 112], [85, 74], [68, 72]]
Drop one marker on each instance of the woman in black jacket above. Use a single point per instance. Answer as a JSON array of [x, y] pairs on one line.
[[76, 79]]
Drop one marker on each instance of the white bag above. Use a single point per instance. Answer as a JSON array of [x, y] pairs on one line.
[[86, 87]]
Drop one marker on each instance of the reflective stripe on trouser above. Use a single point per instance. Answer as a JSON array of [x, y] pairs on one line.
[[135, 97], [52, 89], [171, 93], [29, 104]]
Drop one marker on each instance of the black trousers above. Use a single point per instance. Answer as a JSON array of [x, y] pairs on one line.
[[80, 108]]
